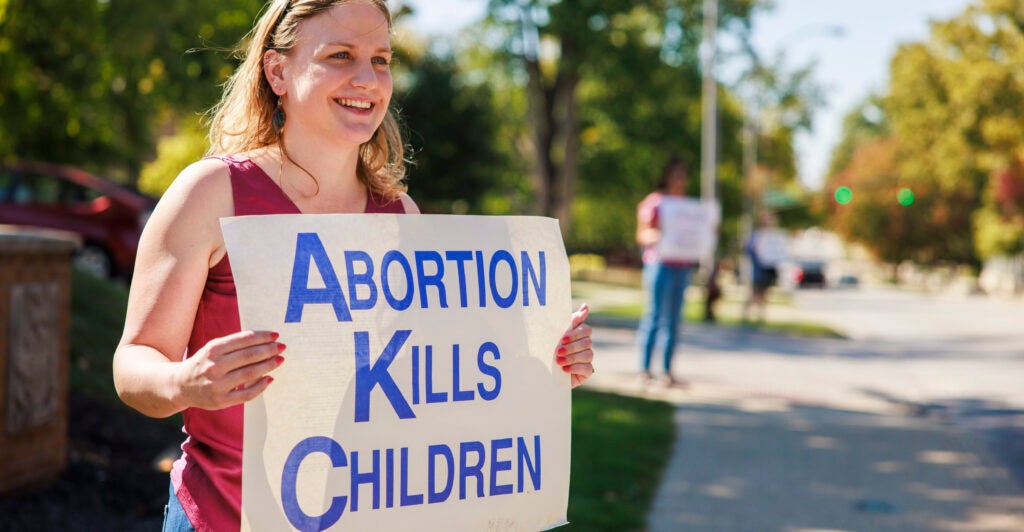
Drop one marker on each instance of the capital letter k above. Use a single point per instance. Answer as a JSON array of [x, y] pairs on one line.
[[368, 376]]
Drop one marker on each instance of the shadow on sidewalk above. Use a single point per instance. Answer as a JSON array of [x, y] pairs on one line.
[[772, 466]]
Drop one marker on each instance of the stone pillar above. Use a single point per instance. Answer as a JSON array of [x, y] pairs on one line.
[[35, 316]]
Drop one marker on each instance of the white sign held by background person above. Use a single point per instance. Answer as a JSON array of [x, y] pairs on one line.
[[420, 389], [771, 246], [689, 229]]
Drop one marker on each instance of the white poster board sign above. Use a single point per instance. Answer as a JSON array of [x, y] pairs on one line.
[[770, 246], [419, 389], [689, 229]]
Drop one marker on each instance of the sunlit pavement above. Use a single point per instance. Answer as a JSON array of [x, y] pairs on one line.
[[915, 423]]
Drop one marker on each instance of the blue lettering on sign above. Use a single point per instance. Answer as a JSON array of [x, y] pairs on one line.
[[457, 393], [372, 478], [370, 376], [308, 246], [433, 495], [466, 470], [489, 370], [460, 257], [498, 466], [289, 480], [435, 279], [355, 280], [503, 256], [394, 257], [398, 282], [539, 285], [484, 464]]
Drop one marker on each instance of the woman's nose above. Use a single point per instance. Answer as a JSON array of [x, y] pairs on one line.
[[365, 76]]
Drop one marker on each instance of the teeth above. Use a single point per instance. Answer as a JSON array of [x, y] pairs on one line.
[[355, 103]]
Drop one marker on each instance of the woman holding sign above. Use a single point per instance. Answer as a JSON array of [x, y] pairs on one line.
[[304, 126], [665, 279]]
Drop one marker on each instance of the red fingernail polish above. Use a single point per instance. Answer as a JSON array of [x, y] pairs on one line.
[[279, 359], [565, 339], [281, 347], [565, 369], [560, 360], [270, 380], [560, 351], [274, 336]]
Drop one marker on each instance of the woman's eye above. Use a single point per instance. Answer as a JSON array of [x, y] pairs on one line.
[[381, 61], [341, 55]]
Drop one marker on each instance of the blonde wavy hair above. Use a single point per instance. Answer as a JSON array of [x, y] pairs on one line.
[[242, 120]]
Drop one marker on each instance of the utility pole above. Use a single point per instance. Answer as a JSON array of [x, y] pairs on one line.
[[709, 138], [709, 104]]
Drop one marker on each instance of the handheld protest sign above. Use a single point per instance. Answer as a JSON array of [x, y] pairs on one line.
[[689, 229], [420, 389]]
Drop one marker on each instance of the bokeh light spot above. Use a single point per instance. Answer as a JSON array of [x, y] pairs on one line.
[[844, 195], [905, 196]]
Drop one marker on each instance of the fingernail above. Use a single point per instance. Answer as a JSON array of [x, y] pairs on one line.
[[560, 360], [279, 359], [560, 351], [565, 340], [281, 347], [566, 369], [270, 380], [274, 336]]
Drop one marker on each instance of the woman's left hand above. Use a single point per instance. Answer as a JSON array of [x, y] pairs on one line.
[[574, 352]]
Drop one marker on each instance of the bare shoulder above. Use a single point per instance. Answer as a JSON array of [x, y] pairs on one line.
[[188, 214], [203, 184], [409, 205]]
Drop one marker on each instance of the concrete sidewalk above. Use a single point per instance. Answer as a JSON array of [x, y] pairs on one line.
[[749, 457]]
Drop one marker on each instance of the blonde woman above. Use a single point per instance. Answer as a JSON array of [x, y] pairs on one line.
[[304, 127]]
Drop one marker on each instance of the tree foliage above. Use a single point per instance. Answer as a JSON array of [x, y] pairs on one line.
[[452, 133], [612, 90], [954, 110], [93, 82]]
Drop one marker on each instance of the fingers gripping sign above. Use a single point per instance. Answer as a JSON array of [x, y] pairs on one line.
[[230, 370], [575, 353]]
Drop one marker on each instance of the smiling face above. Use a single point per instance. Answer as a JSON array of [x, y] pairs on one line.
[[335, 84]]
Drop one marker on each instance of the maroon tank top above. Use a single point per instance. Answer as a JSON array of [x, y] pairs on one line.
[[208, 476]]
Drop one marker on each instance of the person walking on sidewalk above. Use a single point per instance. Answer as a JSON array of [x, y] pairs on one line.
[[665, 281]]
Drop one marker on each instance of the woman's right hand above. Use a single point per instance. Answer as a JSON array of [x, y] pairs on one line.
[[229, 370]]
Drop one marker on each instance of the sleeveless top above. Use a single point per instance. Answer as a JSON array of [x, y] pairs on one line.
[[208, 477]]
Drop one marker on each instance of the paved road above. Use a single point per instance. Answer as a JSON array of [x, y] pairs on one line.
[[915, 423]]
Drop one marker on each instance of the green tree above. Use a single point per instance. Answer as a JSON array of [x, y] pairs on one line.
[[638, 59], [93, 82], [954, 104], [452, 132]]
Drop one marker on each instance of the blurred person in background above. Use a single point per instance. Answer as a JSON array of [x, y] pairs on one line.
[[766, 249], [664, 281]]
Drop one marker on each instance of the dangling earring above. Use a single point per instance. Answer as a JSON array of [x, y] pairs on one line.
[[278, 118]]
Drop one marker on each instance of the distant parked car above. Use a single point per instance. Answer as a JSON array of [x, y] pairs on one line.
[[109, 218], [809, 273]]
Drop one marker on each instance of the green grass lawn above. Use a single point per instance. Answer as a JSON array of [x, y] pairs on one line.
[[620, 445]]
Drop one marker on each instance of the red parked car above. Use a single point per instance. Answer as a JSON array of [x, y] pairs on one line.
[[108, 218]]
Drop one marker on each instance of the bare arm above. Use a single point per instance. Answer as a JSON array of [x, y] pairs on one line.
[[181, 242], [646, 233]]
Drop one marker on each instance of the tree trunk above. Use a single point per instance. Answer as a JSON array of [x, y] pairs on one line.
[[553, 111]]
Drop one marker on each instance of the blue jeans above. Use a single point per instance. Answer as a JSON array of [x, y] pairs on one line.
[[175, 519], [665, 287]]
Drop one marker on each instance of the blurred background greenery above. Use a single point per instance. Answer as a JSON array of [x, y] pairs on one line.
[[566, 109]]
